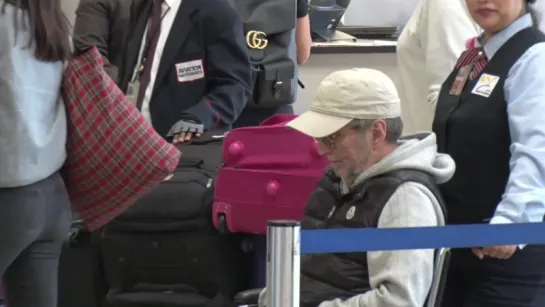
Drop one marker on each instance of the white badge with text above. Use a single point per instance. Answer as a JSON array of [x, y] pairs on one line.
[[190, 71], [485, 85]]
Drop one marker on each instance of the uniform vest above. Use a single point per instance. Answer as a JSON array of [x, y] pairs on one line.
[[474, 131], [329, 276]]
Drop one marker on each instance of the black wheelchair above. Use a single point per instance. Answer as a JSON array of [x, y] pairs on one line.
[[250, 298]]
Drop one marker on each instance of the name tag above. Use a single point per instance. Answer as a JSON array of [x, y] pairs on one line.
[[485, 85], [190, 71], [460, 80], [132, 91]]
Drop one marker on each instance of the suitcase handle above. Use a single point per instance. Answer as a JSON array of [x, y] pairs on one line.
[[211, 136], [78, 235], [177, 288], [190, 162]]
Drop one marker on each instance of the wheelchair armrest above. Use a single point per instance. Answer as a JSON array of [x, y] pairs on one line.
[[248, 297]]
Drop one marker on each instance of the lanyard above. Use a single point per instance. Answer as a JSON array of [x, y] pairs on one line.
[[145, 48]]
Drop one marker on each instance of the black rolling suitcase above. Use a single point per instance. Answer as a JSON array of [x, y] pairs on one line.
[[165, 250], [81, 279]]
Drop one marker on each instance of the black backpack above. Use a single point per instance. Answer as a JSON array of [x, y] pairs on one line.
[[269, 29]]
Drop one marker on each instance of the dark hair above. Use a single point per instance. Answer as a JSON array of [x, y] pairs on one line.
[[536, 17], [394, 127], [49, 28]]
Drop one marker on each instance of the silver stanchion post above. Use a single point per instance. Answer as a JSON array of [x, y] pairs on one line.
[[283, 263]]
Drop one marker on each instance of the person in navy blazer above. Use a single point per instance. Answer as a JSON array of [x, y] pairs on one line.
[[200, 72]]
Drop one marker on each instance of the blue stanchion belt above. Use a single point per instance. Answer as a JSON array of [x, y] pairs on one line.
[[372, 239]]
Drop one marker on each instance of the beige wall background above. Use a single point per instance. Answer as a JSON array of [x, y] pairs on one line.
[[379, 13], [69, 8], [360, 12], [321, 65]]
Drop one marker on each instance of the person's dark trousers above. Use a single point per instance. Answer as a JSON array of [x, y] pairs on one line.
[[34, 223], [255, 116], [515, 282]]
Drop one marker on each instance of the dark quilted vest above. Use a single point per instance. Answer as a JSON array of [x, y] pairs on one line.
[[329, 276]]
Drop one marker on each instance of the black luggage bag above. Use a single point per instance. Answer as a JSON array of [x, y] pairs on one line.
[[81, 280], [165, 249]]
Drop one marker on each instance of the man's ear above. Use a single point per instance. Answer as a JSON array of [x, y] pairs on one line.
[[378, 131]]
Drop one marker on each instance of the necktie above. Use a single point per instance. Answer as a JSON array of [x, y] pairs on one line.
[[152, 36], [479, 61], [473, 56]]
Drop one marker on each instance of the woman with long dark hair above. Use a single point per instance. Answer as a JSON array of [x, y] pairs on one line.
[[34, 208]]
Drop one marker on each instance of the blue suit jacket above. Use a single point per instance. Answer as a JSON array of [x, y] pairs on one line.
[[205, 71]]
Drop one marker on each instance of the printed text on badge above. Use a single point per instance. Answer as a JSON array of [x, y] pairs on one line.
[[190, 71], [485, 85]]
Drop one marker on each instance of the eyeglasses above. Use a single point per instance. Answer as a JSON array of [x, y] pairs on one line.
[[331, 140]]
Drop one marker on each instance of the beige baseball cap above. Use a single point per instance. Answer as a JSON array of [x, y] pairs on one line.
[[345, 95]]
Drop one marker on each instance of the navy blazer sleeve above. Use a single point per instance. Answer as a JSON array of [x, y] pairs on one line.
[[227, 70], [92, 28]]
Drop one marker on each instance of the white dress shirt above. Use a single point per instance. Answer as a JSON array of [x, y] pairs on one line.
[[169, 12], [427, 51], [524, 197]]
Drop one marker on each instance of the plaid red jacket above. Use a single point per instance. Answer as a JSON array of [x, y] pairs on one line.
[[114, 155]]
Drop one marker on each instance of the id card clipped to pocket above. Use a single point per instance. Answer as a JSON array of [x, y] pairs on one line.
[[132, 90], [460, 80]]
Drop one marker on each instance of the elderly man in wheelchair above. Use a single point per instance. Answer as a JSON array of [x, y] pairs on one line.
[[377, 179]]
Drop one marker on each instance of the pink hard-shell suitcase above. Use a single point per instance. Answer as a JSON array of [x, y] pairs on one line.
[[268, 173]]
